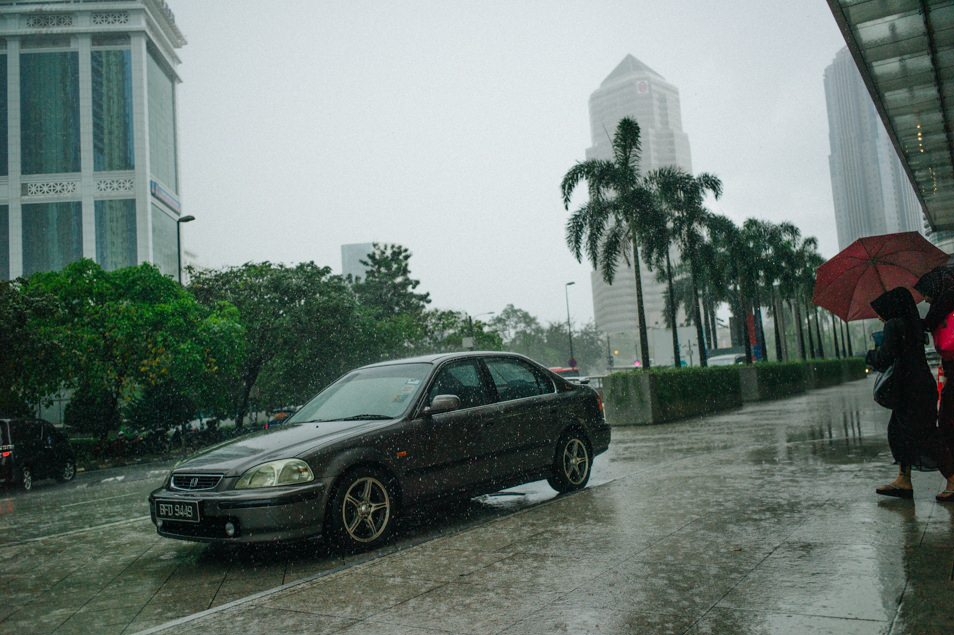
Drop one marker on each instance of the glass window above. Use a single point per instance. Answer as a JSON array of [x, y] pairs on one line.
[[52, 236], [463, 380], [162, 124], [116, 234], [382, 392], [4, 242], [516, 380], [112, 110], [49, 112], [164, 246]]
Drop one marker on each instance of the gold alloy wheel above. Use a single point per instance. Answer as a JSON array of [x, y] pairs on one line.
[[366, 509], [576, 461]]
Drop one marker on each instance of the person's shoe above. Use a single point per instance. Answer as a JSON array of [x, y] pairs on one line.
[[947, 496], [893, 490]]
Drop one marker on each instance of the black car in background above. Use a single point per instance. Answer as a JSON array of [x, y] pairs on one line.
[[33, 449], [381, 439]]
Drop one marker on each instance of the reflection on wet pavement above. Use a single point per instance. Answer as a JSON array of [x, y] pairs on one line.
[[760, 520]]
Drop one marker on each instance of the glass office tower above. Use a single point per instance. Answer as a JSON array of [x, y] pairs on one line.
[[88, 161]]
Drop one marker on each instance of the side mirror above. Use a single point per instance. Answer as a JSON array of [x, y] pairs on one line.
[[442, 403], [585, 381]]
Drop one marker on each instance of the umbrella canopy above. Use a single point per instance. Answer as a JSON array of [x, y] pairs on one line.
[[846, 284]]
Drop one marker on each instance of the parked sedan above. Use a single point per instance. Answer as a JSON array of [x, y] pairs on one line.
[[33, 449], [381, 439]]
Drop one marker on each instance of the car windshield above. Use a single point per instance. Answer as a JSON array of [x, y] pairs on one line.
[[382, 392]]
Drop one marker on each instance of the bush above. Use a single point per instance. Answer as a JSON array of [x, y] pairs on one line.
[[827, 372], [687, 392], [779, 379], [92, 411]]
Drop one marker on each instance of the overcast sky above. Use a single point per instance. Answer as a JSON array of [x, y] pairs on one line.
[[447, 126]]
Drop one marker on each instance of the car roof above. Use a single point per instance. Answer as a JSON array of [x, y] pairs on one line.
[[437, 358]]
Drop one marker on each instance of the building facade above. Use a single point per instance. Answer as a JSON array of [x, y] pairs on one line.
[[89, 157], [351, 257], [634, 90], [871, 192]]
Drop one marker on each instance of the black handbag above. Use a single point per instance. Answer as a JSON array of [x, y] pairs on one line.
[[887, 392]]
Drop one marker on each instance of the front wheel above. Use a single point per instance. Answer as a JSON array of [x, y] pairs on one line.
[[361, 511], [68, 471], [26, 479], [571, 464]]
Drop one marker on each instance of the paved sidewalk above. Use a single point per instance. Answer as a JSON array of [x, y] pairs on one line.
[[761, 520]]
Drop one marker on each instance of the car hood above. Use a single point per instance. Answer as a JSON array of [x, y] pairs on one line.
[[236, 456]]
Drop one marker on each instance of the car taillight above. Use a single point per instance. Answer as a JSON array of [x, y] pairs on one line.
[[5, 454], [599, 402]]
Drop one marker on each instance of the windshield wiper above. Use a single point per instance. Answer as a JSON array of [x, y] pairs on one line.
[[365, 416]]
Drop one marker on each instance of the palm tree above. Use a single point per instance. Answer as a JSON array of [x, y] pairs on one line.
[[731, 252], [657, 239], [613, 220], [684, 195]]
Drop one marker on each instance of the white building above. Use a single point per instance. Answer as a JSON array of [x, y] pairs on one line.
[[634, 90], [89, 158], [351, 257], [871, 192]]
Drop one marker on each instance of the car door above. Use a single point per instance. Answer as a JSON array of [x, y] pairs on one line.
[[45, 463], [519, 435], [446, 456]]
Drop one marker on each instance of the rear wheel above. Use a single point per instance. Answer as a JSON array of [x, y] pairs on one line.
[[361, 512], [26, 478], [572, 462], [68, 471]]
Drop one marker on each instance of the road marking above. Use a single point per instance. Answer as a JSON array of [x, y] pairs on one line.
[[114, 479], [76, 531], [96, 500]]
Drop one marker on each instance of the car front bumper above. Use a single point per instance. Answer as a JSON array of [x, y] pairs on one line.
[[259, 515]]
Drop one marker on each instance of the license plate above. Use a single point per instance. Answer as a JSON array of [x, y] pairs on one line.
[[176, 510]]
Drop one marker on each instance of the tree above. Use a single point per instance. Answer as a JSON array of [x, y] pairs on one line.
[[124, 331], [611, 222], [303, 327], [388, 288], [684, 195]]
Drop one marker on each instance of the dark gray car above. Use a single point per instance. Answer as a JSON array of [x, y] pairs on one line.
[[382, 438]]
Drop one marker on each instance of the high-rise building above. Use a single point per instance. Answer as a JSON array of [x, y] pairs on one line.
[[89, 155], [871, 192], [634, 90], [351, 257]]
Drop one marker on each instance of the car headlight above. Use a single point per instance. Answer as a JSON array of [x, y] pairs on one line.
[[275, 473]]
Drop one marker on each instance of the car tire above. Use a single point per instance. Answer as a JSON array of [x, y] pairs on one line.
[[361, 511], [68, 471], [26, 478], [571, 463]]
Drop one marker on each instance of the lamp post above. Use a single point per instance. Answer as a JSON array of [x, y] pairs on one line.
[[470, 328], [179, 221], [569, 330]]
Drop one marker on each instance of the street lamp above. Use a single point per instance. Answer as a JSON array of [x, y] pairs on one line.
[[569, 331], [179, 221], [470, 327]]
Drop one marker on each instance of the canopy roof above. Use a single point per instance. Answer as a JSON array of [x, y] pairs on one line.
[[905, 52]]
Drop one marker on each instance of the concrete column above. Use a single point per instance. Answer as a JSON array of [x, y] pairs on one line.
[[140, 96], [13, 152], [87, 180]]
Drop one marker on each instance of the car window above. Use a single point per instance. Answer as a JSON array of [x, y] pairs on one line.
[[516, 380], [4, 433], [463, 380]]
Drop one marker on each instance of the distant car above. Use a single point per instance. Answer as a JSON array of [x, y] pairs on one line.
[[278, 417], [570, 374], [380, 440], [33, 449], [726, 360]]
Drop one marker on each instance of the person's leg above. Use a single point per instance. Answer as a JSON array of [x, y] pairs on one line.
[[901, 486]]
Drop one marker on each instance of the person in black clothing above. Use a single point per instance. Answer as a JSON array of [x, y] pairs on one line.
[[937, 287], [912, 430]]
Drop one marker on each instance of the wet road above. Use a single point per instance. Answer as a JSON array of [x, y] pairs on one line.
[[698, 522]]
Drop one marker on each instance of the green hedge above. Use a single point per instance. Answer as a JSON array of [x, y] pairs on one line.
[[780, 379], [687, 392], [827, 372], [85, 449]]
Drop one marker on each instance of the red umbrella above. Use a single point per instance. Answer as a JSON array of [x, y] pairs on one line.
[[846, 284]]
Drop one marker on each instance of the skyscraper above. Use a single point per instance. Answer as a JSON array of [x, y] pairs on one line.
[[351, 257], [871, 192], [634, 90], [89, 155]]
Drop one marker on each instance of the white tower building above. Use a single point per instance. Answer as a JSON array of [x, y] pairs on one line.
[[89, 155], [634, 90]]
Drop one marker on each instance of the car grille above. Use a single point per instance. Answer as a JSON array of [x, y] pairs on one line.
[[195, 481]]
